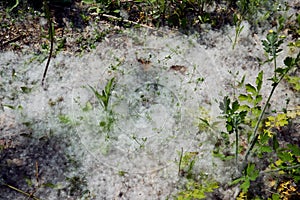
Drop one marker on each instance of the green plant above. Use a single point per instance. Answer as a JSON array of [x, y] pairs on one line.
[[237, 20], [197, 185], [104, 99], [294, 82], [186, 163], [248, 112], [272, 47], [234, 118], [105, 95], [197, 190], [249, 174]]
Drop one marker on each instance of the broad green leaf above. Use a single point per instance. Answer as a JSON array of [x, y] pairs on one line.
[[251, 172], [236, 181], [224, 106], [251, 89], [250, 168], [266, 149], [264, 137], [245, 185], [235, 106], [285, 156], [26, 90], [244, 97], [245, 107], [275, 197], [295, 149], [288, 61], [258, 99], [256, 111], [281, 70]]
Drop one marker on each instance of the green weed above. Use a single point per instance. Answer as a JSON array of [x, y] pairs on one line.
[[250, 174], [247, 111], [105, 95], [234, 118], [104, 99], [197, 185]]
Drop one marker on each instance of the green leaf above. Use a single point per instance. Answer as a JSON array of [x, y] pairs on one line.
[[225, 105], [102, 124], [275, 197], [64, 119], [251, 89], [244, 97], [288, 61], [266, 149], [241, 83], [235, 106], [109, 86], [245, 107], [258, 99], [285, 156], [252, 173], [259, 81], [264, 137], [26, 90], [295, 149], [236, 181], [245, 185], [88, 106], [281, 70], [276, 143]]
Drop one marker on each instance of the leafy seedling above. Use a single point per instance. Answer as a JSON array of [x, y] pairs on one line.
[[105, 95]]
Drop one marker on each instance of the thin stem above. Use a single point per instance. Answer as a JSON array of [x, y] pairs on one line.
[[236, 145], [255, 133], [180, 160], [22, 192], [279, 169], [275, 63], [51, 38]]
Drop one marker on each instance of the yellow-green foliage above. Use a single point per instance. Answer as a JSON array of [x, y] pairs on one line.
[[196, 190], [294, 82]]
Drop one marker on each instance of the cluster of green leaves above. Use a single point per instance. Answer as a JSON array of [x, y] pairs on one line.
[[252, 100], [197, 185], [247, 111], [105, 95], [287, 157], [104, 99], [234, 118], [197, 190], [250, 174]]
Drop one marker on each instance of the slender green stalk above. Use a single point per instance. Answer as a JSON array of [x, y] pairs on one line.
[[236, 145], [255, 133], [180, 160]]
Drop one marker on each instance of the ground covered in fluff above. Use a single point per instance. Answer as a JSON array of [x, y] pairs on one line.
[[155, 137]]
